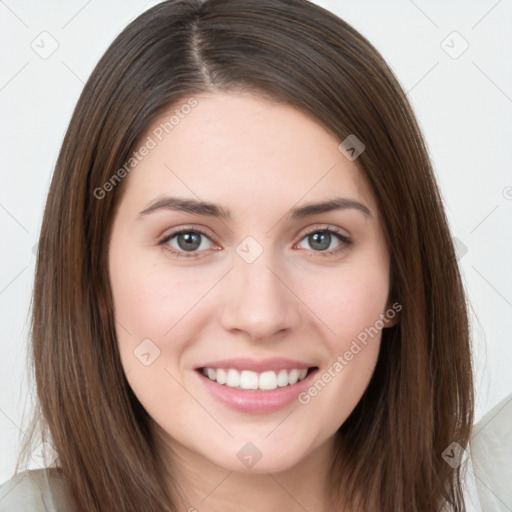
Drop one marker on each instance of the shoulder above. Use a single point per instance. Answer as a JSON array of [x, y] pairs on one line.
[[492, 456], [36, 490]]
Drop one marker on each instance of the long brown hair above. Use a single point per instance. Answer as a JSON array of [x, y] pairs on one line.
[[420, 398]]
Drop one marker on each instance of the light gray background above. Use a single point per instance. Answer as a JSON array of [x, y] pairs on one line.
[[464, 106]]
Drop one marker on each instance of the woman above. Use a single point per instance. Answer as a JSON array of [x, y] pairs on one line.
[[246, 292]]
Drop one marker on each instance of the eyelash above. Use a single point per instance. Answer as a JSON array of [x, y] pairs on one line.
[[346, 242]]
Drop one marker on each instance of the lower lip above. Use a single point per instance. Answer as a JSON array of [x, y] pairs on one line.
[[255, 401]]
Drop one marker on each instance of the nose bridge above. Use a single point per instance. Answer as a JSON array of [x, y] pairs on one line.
[[257, 301]]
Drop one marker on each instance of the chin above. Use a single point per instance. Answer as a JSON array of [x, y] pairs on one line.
[[261, 455]]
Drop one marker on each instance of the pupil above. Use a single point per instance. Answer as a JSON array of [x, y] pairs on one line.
[[189, 241], [320, 240]]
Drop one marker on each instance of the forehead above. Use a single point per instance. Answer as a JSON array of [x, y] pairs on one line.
[[243, 149]]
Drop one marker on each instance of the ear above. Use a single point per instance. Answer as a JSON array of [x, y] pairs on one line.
[[392, 315]]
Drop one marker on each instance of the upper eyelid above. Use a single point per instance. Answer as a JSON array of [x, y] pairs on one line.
[[323, 227], [204, 231], [318, 226]]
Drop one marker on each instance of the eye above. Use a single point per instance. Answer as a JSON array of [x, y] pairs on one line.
[[327, 241], [185, 241], [190, 243]]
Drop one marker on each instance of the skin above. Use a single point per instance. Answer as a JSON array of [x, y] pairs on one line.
[[258, 159]]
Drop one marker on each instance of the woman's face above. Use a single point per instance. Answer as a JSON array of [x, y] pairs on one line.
[[254, 291]]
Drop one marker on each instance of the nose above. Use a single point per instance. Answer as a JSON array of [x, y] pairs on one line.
[[258, 300]]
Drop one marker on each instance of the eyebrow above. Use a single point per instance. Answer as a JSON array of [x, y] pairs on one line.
[[212, 210]]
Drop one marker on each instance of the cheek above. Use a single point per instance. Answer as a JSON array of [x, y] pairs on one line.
[[348, 305], [147, 295], [154, 301], [347, 302], [149, 307]]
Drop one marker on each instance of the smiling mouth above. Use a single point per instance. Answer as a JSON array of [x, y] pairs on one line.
[[248, 380]]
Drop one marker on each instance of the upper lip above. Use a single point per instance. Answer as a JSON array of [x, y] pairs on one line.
[[276, 363]]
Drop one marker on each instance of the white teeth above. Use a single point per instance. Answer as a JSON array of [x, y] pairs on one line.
[[246, 379], [282, 378], [293, 377], [221, 376], [268, 381], [233, 379]]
